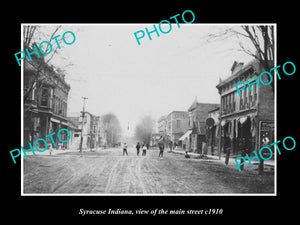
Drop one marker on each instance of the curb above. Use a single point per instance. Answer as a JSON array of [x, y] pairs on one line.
[[266, 163]]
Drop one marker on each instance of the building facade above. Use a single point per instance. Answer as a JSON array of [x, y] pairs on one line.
[[91, 130], [245, 120], [162, 126], [196, 134], [176, 126], [45, 102], [73, 127], [212, 129]]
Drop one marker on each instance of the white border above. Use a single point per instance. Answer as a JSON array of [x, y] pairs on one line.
[[140, 24]]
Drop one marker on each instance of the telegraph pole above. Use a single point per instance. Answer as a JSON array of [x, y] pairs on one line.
[[83, 115]]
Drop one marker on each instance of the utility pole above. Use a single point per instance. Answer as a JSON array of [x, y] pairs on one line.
[[83, 115], [97, 133]]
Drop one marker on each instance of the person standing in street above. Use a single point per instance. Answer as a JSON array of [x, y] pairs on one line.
[[227, 156], [125, 149], [138, 148], [144, 149], [171, 145], [161, 147]]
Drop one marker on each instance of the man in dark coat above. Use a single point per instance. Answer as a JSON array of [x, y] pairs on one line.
[[161, 147], [138, 148], [125, 149]]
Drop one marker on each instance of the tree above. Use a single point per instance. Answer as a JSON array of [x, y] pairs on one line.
[[112, 128], [39, 77], [144, 129], [261, 37]]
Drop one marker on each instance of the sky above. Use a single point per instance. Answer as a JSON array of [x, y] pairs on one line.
[[158, 76]]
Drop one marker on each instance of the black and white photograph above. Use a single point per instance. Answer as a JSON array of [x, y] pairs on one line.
[[106, 112], [125, 112]]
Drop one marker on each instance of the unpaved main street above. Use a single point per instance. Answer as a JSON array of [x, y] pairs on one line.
[[108, 172]]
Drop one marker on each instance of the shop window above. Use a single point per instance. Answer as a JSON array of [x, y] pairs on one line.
[[53, 103], [255, 94], [241, 104], [44, 97], [178, 124], [233, 101]]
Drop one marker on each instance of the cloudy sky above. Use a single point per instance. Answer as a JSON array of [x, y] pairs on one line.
[[158, 76]]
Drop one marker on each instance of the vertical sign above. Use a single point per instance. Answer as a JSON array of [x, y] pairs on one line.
[[266, 134]]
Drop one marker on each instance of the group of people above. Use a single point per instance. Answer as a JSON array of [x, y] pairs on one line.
[[144, 148]]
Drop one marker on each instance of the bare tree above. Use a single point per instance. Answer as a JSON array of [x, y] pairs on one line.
[[112, 128], [28, 34], [261, 37], [40, 77], [144, 129]]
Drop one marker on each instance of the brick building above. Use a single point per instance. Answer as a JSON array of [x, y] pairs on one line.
[[196, 132], [247, 119], [45, 102]]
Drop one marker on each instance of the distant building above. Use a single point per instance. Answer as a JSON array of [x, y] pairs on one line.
[[162, 126], [45, 102], [95, 132], [196, 133], [91, 133], [247, 119], [103, 135], [73, 124], [212, 129], [176, 126]]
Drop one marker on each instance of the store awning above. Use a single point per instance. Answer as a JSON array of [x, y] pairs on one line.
[[64, 123], [243, 119], [186, 135], [54, 120]]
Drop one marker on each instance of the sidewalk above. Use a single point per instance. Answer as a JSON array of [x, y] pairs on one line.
[[269, 163], [55, 151]]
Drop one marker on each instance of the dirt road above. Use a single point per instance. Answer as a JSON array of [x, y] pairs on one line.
[[108, 172]]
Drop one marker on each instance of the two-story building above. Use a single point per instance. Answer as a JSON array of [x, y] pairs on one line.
[[45, 102], [196, 134], [176, 126], [243, 119], [90, 126]]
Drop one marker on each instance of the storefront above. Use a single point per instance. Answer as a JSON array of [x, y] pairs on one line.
[[55, 125], [212, 131], [185, 139], [239, 134]]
